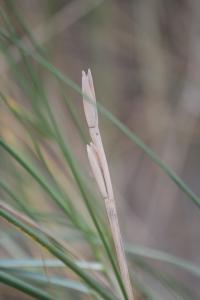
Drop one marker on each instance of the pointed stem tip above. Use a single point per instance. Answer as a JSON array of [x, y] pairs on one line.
[[89, 99]]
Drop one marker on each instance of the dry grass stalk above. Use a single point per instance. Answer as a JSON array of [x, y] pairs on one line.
[[99, 165]]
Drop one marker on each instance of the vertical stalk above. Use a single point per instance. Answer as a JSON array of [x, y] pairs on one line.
[[99, 165]]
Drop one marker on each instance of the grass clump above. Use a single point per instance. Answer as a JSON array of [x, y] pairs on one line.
[[76, 250]]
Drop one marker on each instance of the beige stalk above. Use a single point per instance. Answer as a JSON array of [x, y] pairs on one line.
[[99, 166]]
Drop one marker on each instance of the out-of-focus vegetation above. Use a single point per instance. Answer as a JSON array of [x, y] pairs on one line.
[[55, 240]]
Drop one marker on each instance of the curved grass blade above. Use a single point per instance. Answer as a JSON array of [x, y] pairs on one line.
[[43, 183], [167, 281], [39, 48], [21, 203], [27, 209], [62, 245], [11, 6], [55, 281], [42, 240], [38, 85], [164, 257], [22, 286], [50, 263], [73, 113], [144, 293], [77, 218]]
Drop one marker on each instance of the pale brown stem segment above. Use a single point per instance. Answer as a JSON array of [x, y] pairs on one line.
[[101, 172]]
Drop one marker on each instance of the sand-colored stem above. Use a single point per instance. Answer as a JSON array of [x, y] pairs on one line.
[[99, 166]]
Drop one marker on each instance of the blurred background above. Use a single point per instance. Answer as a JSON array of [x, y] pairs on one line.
[[145, 60]]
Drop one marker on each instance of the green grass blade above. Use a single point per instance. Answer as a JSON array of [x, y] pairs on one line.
[[42, 240], [144, 292], [164, 257], [73, 113], [77, 218], [38, 84], [42, 182], [53, 281], [11, 6], [168, 282], [18, 200], [50, 263], [20, 285], [35, 175]]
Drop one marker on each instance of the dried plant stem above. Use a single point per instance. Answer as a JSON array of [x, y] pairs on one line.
[[99, 165], [114, 224]]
